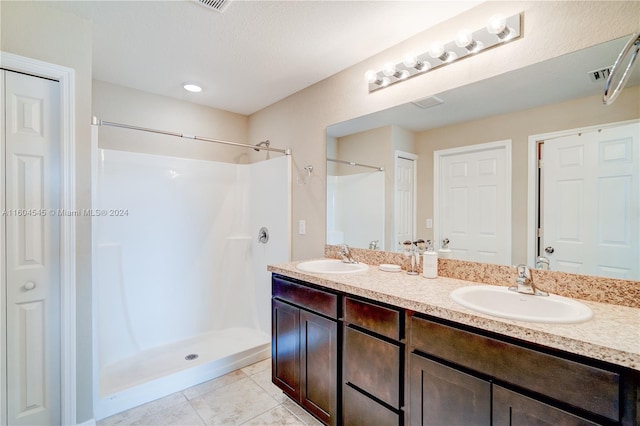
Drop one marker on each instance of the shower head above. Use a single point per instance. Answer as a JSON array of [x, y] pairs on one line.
[[265, 143]]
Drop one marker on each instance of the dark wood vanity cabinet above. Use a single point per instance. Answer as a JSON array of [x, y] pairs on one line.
[[373, 363], [342, 358], [458, 376], [305, 346]]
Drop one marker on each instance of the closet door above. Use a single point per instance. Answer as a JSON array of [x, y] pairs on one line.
[[32, 246]]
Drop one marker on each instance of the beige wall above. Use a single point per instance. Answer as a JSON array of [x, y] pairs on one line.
[[129, 106], [36, 31], [517, 127], [550, 29]]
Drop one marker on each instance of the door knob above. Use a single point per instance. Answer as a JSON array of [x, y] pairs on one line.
[[29, 285], [263, 235], [549, 249]]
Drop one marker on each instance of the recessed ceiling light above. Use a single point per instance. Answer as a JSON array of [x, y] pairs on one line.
[[192, 87]]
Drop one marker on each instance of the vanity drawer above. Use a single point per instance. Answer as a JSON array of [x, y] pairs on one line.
[[372, 365], [310, 298], [580, 385], [360, 410], [378, 319]]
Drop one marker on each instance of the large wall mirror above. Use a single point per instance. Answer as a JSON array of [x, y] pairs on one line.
[[393, 175]]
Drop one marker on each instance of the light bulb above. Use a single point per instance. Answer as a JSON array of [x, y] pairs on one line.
[[404, 74], [464, 38], [389, 69], [410, 60], [371, 76], [385, 81], [436, 50], [496, 24]]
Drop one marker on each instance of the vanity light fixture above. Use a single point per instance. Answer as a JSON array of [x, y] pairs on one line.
[[191, 87], [498, 30]]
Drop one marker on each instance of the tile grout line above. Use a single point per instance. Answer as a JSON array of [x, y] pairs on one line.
[[194, 408]]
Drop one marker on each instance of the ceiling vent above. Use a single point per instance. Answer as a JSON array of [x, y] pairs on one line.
[[600, 74], [428, 102], [217, 5]]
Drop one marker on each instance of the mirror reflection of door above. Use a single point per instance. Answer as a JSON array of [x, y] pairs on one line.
[[473, 199], [405, 198], [591, 193]]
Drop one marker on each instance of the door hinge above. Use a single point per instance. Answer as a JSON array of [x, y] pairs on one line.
[[540, 163], [540, 233]]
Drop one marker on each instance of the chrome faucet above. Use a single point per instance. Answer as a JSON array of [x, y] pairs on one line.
[[373, 245], [524, 282], [345, 254]]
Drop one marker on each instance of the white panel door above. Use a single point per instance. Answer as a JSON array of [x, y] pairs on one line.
[[404, 201], [32, 197], [474, 202], [592, 202]]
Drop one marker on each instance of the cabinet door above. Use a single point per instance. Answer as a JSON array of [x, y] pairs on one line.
[[319, 366], [440, 395], [285, 348], [511, 408]]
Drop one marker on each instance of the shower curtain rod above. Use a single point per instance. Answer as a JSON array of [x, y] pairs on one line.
[[352, 163], [96, 121]]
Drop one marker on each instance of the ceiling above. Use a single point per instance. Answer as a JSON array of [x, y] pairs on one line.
[[252, 54]]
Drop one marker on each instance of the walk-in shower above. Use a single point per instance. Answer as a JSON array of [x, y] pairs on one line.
[[181, 289]]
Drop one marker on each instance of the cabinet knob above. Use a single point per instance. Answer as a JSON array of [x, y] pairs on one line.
[[549, 249], [29, 285]]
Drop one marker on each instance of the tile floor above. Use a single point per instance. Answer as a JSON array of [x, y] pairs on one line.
[[242, 397]]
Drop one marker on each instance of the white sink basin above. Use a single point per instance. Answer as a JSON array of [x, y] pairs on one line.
[[501, 302], [331, 266]]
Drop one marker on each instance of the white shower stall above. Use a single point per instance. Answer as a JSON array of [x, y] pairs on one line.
[[360, 192], [181, 287]]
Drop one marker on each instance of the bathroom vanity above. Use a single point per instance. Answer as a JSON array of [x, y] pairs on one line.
[[378, 348]]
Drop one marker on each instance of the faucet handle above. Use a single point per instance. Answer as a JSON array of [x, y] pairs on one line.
[[523, 272]]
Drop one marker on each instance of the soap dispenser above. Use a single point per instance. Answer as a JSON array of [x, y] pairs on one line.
[[430, 262], [445, 251]]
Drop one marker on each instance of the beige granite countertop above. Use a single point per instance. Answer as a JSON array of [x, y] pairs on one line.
[[612, 335]]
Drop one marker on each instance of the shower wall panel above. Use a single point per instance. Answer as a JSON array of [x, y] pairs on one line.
[[270, 208], [174, 242], [355, 209]]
